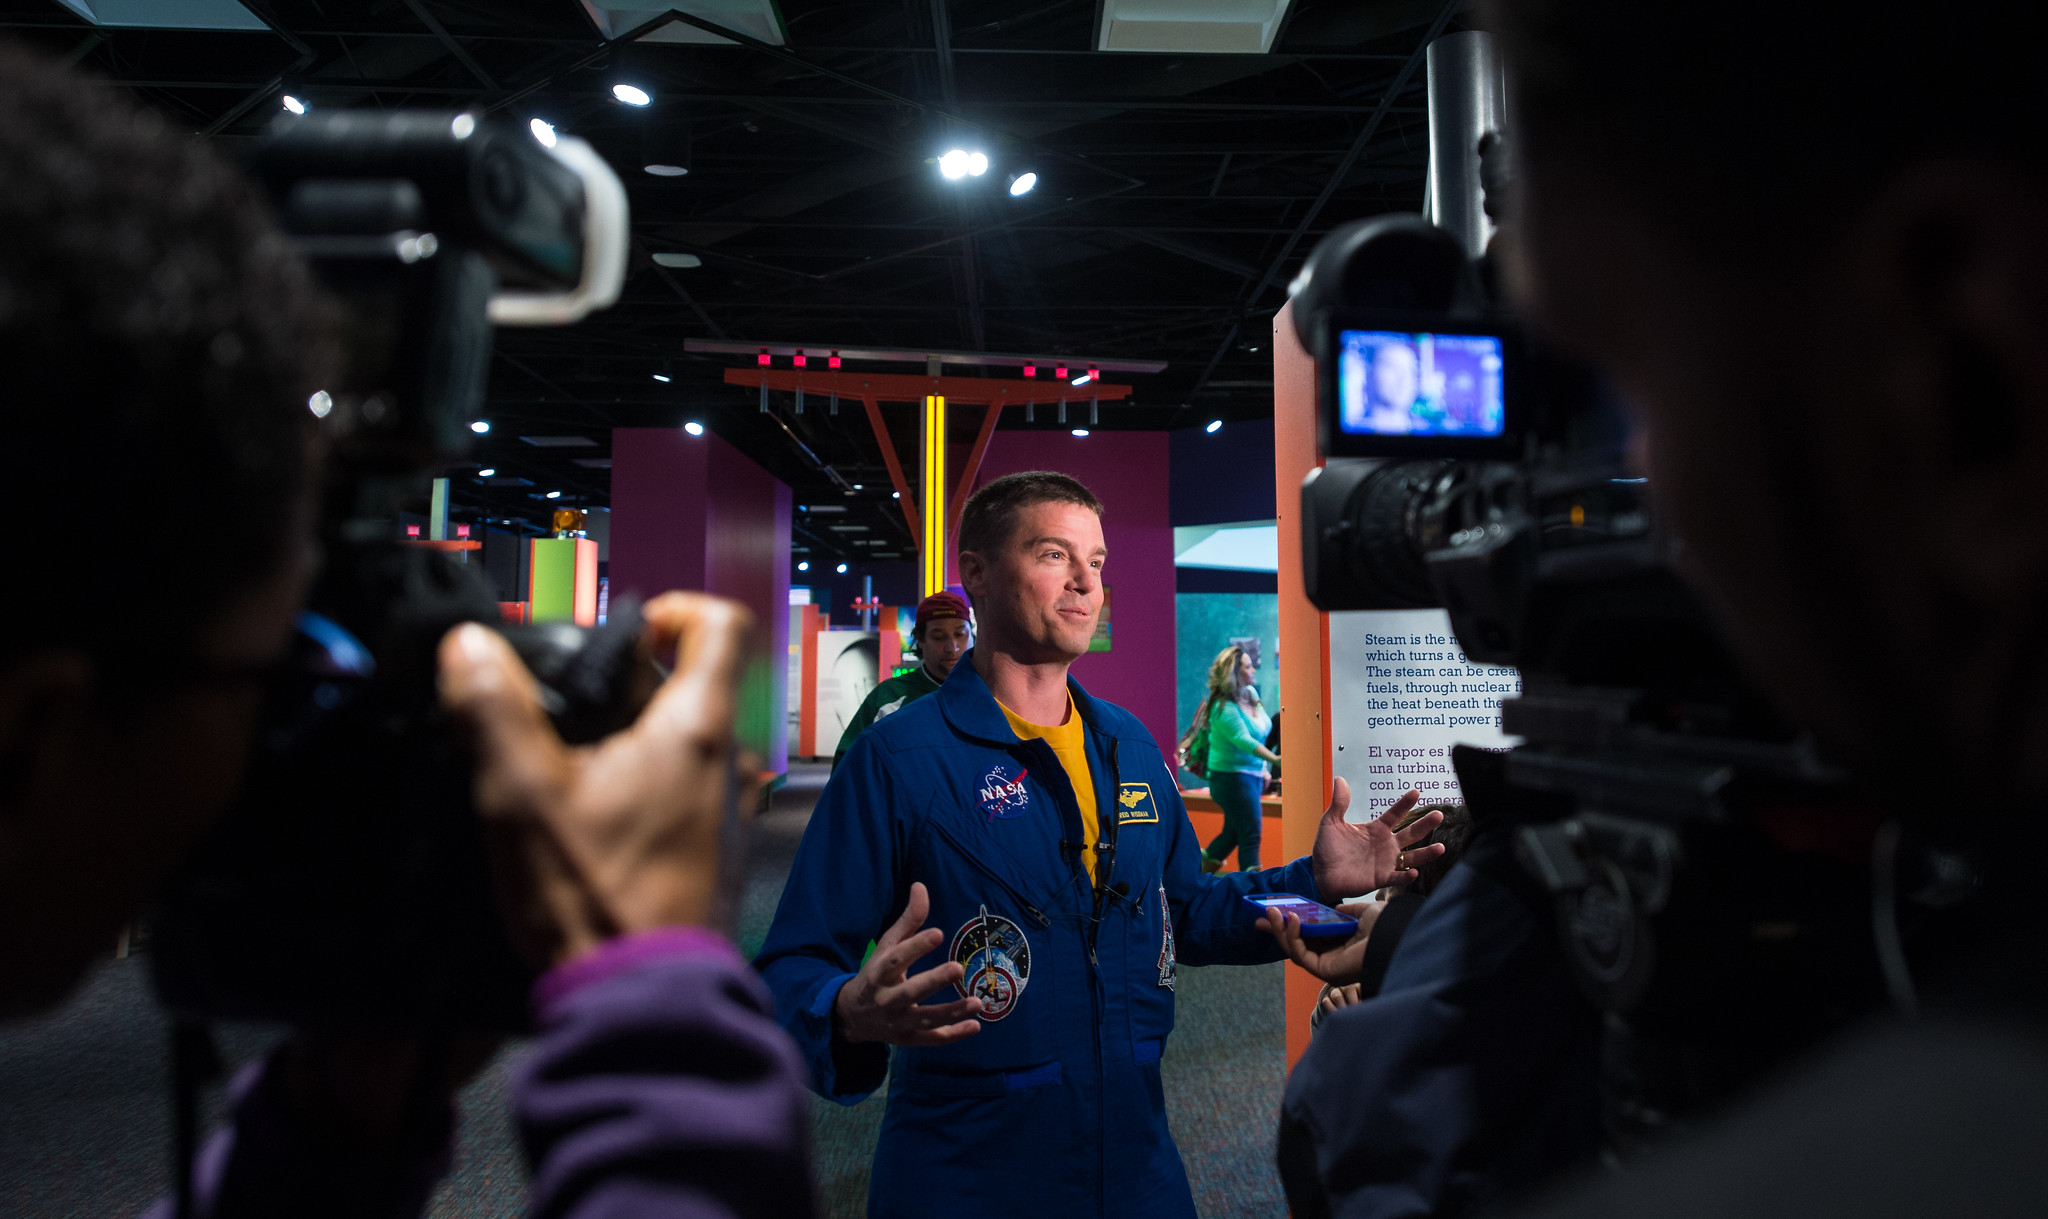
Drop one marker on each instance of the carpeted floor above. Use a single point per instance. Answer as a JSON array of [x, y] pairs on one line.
[[85, 1120]]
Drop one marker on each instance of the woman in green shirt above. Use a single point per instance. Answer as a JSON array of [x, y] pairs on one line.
[[1239, 762]]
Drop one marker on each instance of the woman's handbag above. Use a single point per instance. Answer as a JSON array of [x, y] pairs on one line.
[[1192, 753]]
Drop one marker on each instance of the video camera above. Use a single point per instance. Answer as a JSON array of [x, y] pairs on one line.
[[348, 887], [1719, 890]]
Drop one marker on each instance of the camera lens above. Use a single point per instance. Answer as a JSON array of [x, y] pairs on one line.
[[1385, 519]]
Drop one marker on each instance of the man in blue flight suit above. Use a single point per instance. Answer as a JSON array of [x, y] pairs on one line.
[[1040, 830]]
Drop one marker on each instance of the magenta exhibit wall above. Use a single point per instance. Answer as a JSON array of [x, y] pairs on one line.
[[689, 512], [1128, 473]]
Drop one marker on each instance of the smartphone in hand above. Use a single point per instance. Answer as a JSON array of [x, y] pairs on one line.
[[1316, 919]]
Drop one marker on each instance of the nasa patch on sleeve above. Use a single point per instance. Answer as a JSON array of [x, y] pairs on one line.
[[1134, 803]]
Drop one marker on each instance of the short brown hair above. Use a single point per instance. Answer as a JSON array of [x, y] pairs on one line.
[[991, 513]]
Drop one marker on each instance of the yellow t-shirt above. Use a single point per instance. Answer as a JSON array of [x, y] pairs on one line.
[[1068, 746]]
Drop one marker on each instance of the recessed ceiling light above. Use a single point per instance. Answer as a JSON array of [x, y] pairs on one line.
[[480, 426], [804, 566], [1080, 431], [462, 126], [1215, 425], [666, 259], [487, 471], [1022, 184], [294, 105], [667, 171], [543, 131], [694, 428], [554, 495], [632, 95], [320, 403], [1083, 379], [842, 569], [661, 377]]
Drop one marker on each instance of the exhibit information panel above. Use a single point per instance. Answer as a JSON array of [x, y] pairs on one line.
[[1401, 694]]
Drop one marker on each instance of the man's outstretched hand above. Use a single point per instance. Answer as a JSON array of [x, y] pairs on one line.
[[1354, 859], [881, 1004], [1333, 960], [592, 841]]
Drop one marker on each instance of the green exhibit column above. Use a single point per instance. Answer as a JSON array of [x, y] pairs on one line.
[[562, 581]]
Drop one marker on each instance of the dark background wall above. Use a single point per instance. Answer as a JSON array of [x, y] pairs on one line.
[[1223, 476]]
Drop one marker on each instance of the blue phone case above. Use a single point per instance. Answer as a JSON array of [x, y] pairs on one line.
[[1316, 919]]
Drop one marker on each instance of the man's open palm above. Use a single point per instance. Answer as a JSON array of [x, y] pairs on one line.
[[1352, 859], [884, 1001]]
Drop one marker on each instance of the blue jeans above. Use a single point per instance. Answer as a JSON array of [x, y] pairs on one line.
[[1237, 794]]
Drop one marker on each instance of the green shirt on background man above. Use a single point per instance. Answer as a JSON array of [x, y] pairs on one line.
[[888, 697]]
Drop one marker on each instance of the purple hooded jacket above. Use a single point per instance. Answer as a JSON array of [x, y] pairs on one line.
[[659, 1085]]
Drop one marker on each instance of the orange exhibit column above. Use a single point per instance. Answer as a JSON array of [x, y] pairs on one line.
[[807, 721], [1304, 641]]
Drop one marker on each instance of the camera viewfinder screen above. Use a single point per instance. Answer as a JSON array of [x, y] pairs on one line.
[[1392, 383]]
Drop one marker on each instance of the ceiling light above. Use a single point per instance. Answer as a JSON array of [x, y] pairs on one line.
[[543, 131], [842, 569], [666, 259], [480, 426], [632, 95], [895, 495], [294, 105], [1215, 426], [320, 403], [667, 171], [694, 428], [1021, 185], [1083, 379], [959, 163], [462, 126], [1080, 431], [804, 566], [661, 377], [553, 495], [487, 471]]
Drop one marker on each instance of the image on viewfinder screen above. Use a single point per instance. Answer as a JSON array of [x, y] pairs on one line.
[[1391, 383]]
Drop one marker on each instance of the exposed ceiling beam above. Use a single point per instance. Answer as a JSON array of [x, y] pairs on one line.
[[455, 48], [1351, 155]]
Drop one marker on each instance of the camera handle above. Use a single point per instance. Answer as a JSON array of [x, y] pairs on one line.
[[605, 236]]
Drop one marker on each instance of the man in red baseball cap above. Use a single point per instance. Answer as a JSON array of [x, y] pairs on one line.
[[941, 637]]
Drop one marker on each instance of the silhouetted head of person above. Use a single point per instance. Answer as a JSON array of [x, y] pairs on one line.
[[1826, 298], [159, 342]]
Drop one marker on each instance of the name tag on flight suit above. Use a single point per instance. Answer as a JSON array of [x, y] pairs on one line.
[[1134, 803]]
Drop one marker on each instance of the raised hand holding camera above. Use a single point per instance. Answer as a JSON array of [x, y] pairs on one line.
[[618, 836]]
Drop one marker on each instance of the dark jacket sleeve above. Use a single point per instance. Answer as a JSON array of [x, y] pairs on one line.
[[1474, 1072], [843, 890], [266, 1162], [665, 1089]]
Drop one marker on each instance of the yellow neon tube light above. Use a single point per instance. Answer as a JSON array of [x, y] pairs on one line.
[[933, 495]]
